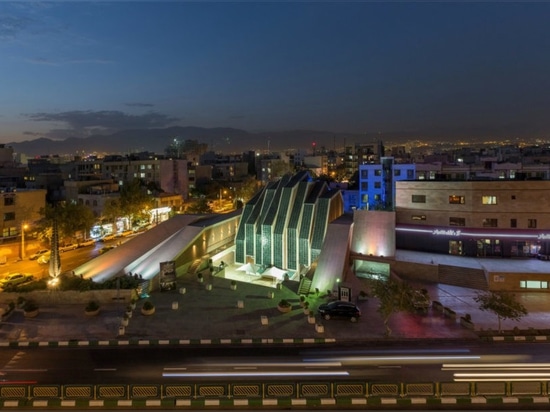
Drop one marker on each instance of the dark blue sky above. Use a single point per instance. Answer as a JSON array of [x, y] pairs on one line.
[[425, 68]]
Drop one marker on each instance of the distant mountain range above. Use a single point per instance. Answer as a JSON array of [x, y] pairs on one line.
[[225, 140]]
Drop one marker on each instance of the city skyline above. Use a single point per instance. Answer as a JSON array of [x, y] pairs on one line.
[[420, 69]]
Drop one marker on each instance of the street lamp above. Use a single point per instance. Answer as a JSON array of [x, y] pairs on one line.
[[23, 227]]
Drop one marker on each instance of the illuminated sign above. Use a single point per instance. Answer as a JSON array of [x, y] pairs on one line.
[[543, 236], [446, 232]]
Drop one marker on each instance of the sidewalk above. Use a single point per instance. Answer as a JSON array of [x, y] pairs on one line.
[[213, 314]]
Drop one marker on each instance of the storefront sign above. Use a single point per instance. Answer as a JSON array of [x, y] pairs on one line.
[[446, 232]]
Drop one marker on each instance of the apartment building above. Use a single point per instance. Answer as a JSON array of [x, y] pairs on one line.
[[377, 183], [499, 218], [19, 209]]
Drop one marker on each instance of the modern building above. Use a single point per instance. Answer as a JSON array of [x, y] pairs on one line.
[[285, 224], [498, 218], [377, 183]]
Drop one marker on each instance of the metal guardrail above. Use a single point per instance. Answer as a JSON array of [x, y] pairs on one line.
[[342, 393]]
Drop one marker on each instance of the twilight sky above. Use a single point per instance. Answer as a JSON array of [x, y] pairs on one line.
[[444, 68]]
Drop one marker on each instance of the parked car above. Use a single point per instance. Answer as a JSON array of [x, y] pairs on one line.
[[66, 248], [45, 258], [15, 279], [339, 309], [88, 242], [36, 255]]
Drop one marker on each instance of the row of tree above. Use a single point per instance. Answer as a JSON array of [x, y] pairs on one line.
[[396, 296]]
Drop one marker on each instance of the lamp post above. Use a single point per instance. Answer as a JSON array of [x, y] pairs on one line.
[[23, 227]]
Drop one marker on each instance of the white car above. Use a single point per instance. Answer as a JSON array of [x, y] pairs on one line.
[[66, 248], [45, 258], [36, 255], [88, 242]]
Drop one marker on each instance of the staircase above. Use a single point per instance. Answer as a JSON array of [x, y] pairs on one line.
[[144, 287], [194, 266], [305, 286], [463, 277]]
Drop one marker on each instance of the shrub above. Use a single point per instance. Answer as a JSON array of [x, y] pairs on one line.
[[92, 306], [284, 303], [30, 306], [148, 305]]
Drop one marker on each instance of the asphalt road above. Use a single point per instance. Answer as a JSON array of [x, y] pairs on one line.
[[398, 362]]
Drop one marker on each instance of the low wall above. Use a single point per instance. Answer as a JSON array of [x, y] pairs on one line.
[[55, 297], [419, 271]]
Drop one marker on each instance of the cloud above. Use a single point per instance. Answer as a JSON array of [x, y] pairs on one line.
[[11, 26], [137, 104], [86, 123], [48, 62]]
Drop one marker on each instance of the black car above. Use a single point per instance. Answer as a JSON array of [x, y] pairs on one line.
[[339, 309]]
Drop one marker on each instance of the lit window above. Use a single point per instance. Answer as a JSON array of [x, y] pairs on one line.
[[489, 200], [418, 217], [378, 172], [533, 284], [456, 200]]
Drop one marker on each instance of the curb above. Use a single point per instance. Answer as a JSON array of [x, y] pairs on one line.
[[327, 402], [173, 342]]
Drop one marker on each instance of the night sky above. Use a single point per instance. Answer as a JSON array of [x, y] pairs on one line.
[[448, 69]]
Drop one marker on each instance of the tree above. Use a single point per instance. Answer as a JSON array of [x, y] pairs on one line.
[[134, 201], [199, 206], [71, 218], [502, 304], [394, 296], [246, 190]]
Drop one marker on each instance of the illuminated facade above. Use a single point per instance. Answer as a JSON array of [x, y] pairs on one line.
[[285, 224], [501, 218], [377, 183]]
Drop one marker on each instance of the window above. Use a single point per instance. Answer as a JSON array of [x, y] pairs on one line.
[[457, 221], [513, 223], [410, 174], [377, 185], [456, 200], [489, 200], [9, 216], [513, 197], [490, 223], [533, 284], [9, 201], [418, 217], [397, 172], [364, 186], [364, 174], [532, 223], [418, 198], [378, 172]]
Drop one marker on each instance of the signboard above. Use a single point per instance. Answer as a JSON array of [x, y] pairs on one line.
[[167, 275]]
